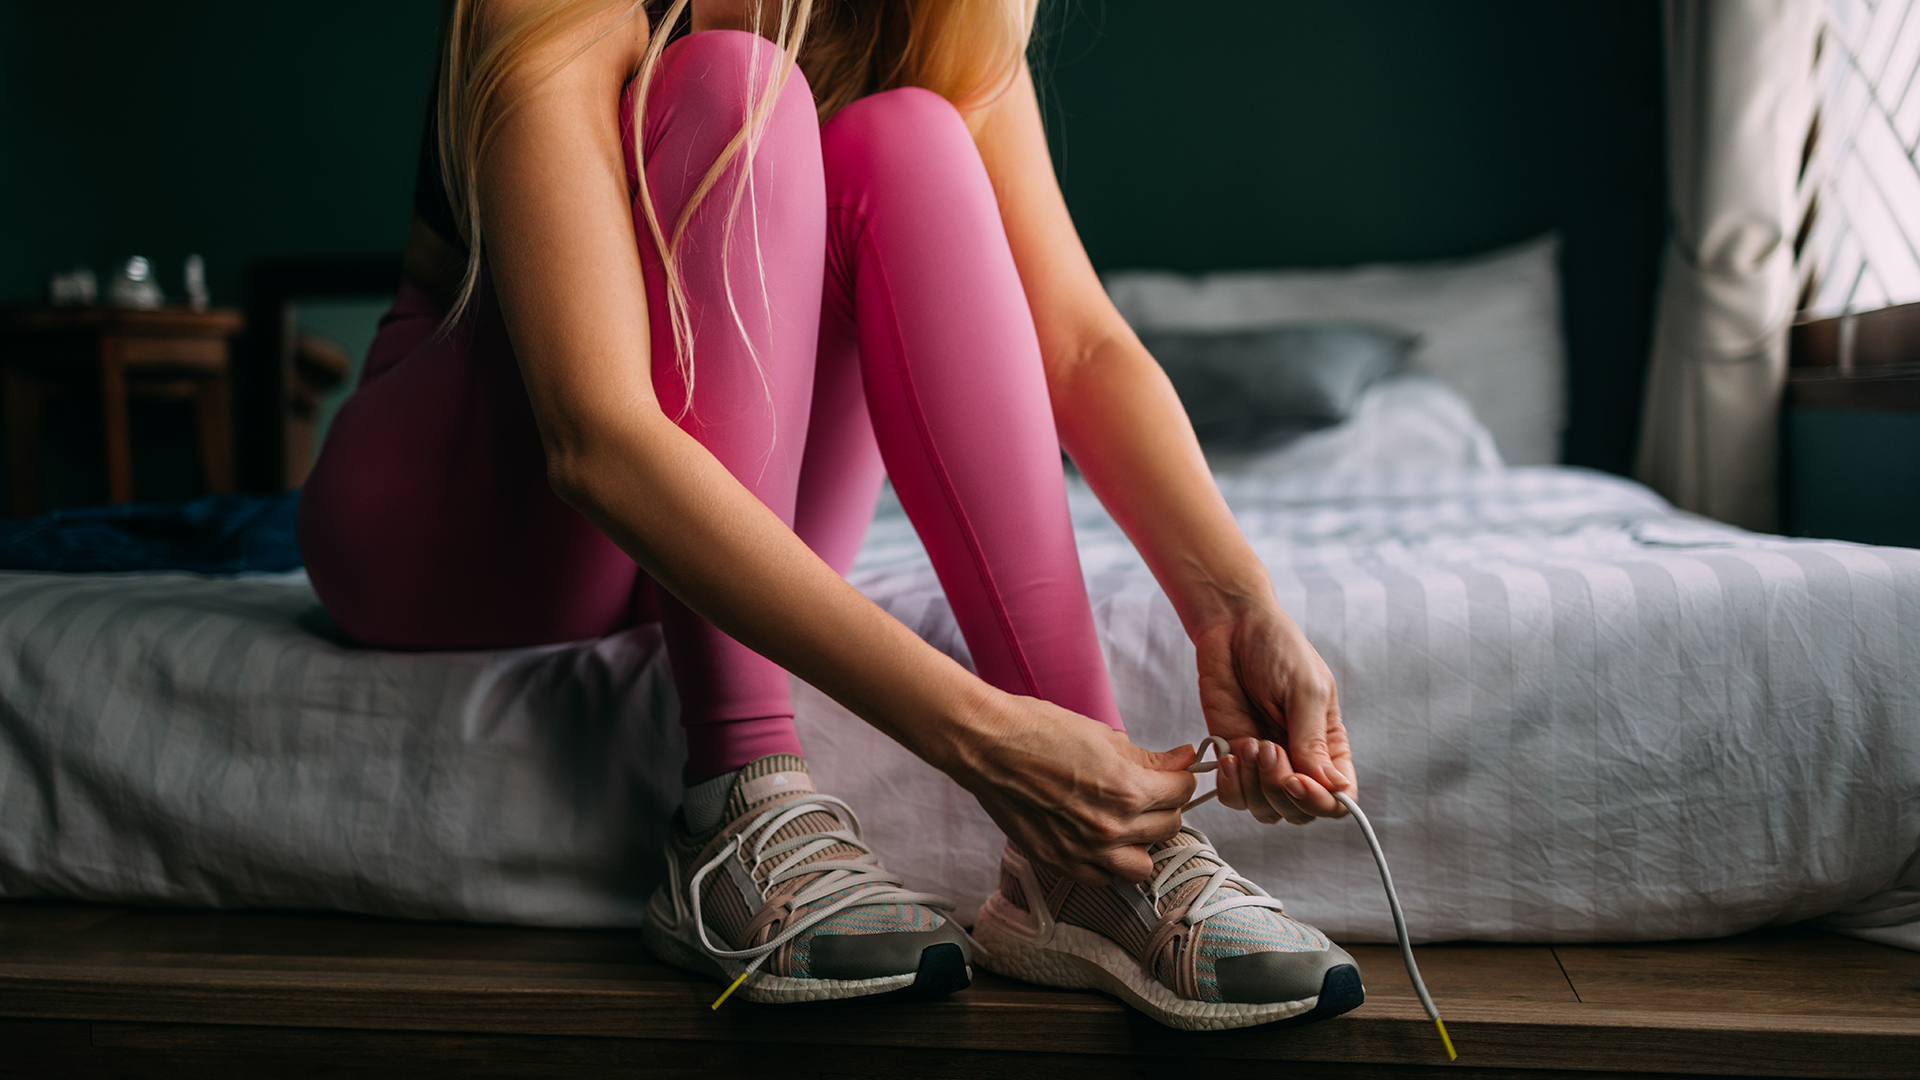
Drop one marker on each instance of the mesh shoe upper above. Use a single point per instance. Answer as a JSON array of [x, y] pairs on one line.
[[769, 869], [1193, 913]]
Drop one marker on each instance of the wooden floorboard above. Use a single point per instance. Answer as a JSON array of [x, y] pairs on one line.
[[1800, 973], [110, 991]]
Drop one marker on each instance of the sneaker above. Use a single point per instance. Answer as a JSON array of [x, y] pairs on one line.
[[792, 906], [1197, 947]]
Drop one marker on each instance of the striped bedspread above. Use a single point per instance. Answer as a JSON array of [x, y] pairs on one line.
[[1577, 715]]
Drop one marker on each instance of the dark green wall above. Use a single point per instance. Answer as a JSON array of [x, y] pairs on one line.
[[1232, 134], [1321, 133], [234, 129]]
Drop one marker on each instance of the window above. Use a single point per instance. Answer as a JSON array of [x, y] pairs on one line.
[[1859, 246]]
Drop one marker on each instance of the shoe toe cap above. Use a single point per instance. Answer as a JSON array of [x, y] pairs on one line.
[[873, 956], [1265, 977]]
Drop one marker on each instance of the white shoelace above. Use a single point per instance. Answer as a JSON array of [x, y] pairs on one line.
[[865, 880], [1220, 749], [1170, 879]]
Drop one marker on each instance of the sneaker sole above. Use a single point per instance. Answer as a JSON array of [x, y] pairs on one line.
[[943, 968], [1075, 958]]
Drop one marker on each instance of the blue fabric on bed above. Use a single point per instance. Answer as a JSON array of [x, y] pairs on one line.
[[220, 534]]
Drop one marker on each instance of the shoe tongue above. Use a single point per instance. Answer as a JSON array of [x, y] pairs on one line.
[[1186, 837], [769, 778], [777, 777]]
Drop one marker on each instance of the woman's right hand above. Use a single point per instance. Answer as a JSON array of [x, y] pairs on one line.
[[1071, 792]]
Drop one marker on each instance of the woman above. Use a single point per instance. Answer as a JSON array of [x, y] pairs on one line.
[[672, 301]]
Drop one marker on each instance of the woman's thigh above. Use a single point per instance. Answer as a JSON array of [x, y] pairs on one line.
[[428, 523]]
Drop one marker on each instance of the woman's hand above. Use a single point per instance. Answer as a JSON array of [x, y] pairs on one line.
[[1120, 420], [1071, 792], [1267, 692]]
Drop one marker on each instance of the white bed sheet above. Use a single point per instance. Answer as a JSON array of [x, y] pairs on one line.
[[1578, 715]]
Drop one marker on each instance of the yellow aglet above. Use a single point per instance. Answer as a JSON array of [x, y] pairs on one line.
[[1448, 1043], [717, 1002]]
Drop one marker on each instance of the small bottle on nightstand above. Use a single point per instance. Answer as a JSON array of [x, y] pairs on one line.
[[196, 275]]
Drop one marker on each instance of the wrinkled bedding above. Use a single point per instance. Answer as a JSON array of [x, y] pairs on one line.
[[1577, 715]]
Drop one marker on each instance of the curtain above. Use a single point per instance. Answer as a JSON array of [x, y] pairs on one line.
[[1740, 97]]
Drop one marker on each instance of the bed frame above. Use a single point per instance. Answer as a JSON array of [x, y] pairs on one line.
[[105, 991]]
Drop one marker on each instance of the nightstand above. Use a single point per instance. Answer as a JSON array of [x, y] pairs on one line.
[[117, 352]]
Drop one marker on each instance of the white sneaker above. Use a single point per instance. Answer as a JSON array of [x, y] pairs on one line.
[[793, 906], [1197, 947]]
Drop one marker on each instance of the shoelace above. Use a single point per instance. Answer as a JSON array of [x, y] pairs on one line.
[[1220, 749], [1171, 879], [865, 880]]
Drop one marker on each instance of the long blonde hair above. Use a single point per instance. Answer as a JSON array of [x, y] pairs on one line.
[[966, 51]]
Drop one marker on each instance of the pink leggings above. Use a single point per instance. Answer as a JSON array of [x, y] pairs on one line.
[[428, 522]]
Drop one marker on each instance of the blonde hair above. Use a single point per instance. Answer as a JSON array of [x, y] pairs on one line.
[[967, 51]]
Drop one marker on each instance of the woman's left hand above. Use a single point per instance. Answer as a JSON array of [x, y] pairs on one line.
[[1265, 690]]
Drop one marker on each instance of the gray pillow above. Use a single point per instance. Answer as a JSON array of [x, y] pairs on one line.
[[1242, 386]]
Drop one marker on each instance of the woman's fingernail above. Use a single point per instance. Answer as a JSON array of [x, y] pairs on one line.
[[1269, 754], [1294, 788]]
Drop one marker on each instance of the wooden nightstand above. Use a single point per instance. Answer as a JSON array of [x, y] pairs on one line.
[[166, 352]]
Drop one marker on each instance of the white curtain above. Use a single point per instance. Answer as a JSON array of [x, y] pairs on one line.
[[1740, 97]]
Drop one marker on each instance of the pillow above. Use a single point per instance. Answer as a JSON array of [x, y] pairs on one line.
[[1405, 421], [1489, 326], [1242, 385]]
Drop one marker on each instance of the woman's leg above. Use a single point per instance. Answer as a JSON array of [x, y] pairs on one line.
[[925, 318], [751, 273], [428, 522]]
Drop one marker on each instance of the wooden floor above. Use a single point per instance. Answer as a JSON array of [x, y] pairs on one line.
[[97, 991]]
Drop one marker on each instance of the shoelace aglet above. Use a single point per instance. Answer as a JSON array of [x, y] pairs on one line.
[[728, 992], [1444, 1041]]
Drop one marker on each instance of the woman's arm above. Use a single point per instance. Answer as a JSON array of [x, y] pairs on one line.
[[1120, 420], [560, 246]]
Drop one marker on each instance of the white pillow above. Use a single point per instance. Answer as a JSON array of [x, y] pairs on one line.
[[1488, 326]]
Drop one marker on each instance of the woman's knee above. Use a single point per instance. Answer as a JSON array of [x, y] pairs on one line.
[[707, 86], [719, 76], [907, 136]]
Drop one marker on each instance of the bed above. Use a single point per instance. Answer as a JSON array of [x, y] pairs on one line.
[[1579, 715]]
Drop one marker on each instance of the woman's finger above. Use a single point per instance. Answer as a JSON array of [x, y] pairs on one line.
[[1247, 751], [1174, 760], [1275, 773], [1226, 783], [1310, 709], [1168, 790], [1318, 795], [1303, 797], [1342, 749]]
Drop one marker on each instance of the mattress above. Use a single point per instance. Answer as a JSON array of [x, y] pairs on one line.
[[1577, 715]]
